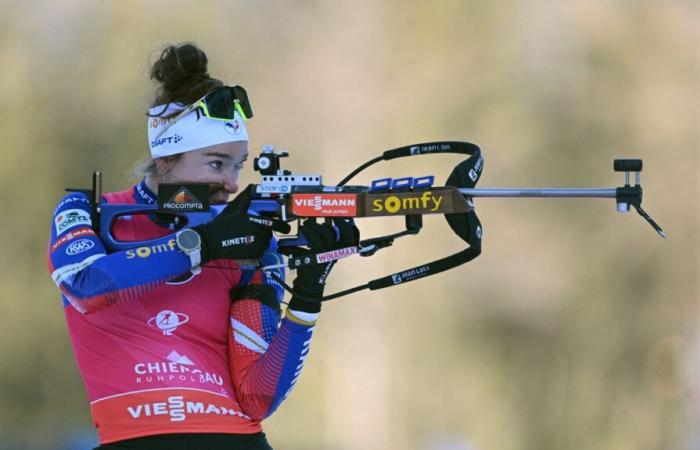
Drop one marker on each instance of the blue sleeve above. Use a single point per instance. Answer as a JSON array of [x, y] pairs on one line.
[[270, 258], [265, 360], [266, 355], [273, 258], [89, 278]]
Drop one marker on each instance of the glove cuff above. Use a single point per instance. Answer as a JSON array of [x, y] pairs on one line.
[[301, 317], [264, 293], [298, 304]]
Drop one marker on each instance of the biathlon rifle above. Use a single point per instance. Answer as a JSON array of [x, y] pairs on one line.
[[289, 197]]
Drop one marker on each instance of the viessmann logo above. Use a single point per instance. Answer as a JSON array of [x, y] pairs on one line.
[[178, 408], [313, 205], [72, 235]]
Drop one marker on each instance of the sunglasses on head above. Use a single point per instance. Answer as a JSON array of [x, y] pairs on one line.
[[220, 104]]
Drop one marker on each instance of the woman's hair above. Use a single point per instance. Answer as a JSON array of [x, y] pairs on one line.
[[182, 77], [181, 72]]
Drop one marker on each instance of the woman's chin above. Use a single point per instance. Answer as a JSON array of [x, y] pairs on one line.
[[218, 201]]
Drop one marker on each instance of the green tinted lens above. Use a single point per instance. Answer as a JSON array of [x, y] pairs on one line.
[[223, 102], [219, 104], [240, 94]]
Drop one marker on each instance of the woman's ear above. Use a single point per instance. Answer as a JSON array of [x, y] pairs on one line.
[[165, 164]]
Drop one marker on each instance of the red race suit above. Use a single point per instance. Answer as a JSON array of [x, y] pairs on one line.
[[160, 345]]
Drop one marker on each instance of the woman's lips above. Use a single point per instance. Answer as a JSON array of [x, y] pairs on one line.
[[219, 197], [218, 193]]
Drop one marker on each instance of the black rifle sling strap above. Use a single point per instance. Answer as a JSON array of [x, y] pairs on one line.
[[466, 225]]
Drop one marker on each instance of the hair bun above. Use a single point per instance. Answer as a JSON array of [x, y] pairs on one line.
[[178, 65], [181, 71]]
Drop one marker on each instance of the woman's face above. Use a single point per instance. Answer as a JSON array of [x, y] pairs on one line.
[[218, 165]]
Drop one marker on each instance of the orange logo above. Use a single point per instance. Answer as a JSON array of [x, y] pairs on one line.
[[183, 197], [324, 205]]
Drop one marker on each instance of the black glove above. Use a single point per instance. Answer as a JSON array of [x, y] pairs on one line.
[[234, 234], [311, 279]]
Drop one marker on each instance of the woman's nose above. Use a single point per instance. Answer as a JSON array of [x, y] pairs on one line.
[[231, 182]]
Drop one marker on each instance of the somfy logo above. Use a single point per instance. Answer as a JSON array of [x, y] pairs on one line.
[[393, 204]]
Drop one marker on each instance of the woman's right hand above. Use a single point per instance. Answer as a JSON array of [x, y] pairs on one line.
[[234, 234], [311, 279]]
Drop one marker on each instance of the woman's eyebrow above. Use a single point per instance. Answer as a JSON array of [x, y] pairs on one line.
[[217, 155]]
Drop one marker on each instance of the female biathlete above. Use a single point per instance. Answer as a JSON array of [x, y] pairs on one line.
[[179, 347]]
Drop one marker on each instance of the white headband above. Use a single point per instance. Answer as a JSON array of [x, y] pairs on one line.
[[191, 132]]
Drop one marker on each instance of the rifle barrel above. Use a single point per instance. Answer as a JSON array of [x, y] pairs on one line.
[[557, 192]]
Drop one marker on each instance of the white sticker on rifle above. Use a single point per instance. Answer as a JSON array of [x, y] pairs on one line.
[[336, 254]]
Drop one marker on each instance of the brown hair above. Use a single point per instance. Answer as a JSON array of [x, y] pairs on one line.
[[182, 77], [181, 71]]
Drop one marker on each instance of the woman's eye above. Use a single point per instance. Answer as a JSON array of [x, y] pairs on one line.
[[239, 166], [217, 164]]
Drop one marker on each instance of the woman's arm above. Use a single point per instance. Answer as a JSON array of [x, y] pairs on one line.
[[266, 361], [265, 357], [92, 280], [265, 364]]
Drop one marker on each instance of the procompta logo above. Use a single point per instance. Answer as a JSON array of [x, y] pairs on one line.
[[183, 199]]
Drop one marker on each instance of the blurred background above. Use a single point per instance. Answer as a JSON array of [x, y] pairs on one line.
[[576, 328]]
